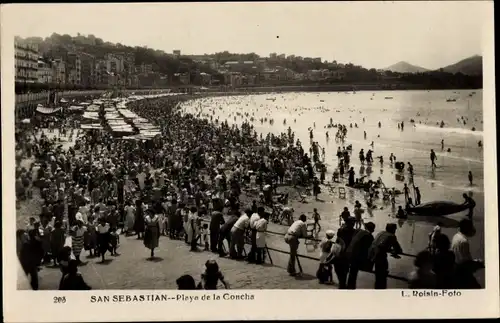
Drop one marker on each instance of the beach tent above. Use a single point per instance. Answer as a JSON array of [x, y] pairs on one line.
[[63, 100], [76, 108], [44, 110], [92, 126]]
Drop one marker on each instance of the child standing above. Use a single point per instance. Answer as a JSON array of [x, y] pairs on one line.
[[316, 218], [204, 236]]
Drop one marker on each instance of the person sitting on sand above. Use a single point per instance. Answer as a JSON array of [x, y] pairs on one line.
[[401, 213], [212, 275]]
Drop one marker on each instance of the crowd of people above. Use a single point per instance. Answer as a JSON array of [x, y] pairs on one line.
[[193, 182]]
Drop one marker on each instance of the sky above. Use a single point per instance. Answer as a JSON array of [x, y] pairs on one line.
[[371, 34]]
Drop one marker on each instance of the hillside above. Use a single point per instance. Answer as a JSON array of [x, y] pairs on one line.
[[404, 67], [57, 46], [469, 66]]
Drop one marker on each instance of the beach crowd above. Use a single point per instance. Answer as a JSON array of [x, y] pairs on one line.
[[213, 185]]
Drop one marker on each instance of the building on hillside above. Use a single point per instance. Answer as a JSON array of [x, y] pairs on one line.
[[239, 66], [59, 71], [146, 68], [26, 61], [233, 79], [115, 63], [185, 78], [44, 72], [176, 53], [317, 60], [290, 57], [206, 79], [314, 75], [74, 69], [299, 58], [101, 73], [88, 75], [281, 56], [273, 56]]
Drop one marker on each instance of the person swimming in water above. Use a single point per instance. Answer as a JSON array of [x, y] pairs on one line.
[[364, 134], [379, 124], [470, 178], [442, 144]]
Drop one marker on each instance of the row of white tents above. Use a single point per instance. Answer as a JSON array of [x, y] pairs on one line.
[[120, 120]]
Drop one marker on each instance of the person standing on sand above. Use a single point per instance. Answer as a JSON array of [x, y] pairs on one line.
[[471, 203], [385, 242], [357, 253], [216, 220], [470, 178], [465, 265], [253, 220], [238, 235], [351, 177], [433, 158], [406, 191], [152, 232], [297, 230]]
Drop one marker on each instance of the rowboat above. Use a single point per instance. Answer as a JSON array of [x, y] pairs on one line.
[[437, 208]]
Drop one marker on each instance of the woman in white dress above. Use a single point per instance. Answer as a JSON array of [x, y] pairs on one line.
[[260, 240], [129, 217]]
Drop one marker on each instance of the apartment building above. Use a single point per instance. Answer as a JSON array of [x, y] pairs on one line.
[[44, 72], [88, 77], [74, 69], [146, 68], [26, 61], [59, 71], [101, 73]]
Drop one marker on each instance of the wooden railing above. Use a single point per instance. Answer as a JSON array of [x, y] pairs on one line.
[[247, 242]]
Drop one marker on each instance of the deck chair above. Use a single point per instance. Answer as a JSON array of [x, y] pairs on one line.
[[342, 192], [302, 195]]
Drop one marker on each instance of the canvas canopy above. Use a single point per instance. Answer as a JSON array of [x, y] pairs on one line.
[[44, 110]]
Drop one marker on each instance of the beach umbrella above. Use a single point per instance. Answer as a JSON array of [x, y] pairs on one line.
[[26, 121]]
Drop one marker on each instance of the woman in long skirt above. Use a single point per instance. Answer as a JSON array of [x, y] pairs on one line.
[[77, 240], [102, 238], [152, 233], [90, 238], [129, 217], [57, 239]]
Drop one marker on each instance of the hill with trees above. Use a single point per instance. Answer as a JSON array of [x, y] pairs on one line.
[[57, 46], [469, 66]]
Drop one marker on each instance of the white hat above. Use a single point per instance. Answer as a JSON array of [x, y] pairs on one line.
[[330, 234]]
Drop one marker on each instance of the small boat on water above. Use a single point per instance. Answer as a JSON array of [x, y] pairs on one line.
[[437, 208], [388, 98], [271, 99], [321, 100], [451, 100]]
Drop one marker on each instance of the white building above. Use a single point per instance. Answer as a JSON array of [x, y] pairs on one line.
[[26, 61], [59, 71], [44, 72]]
